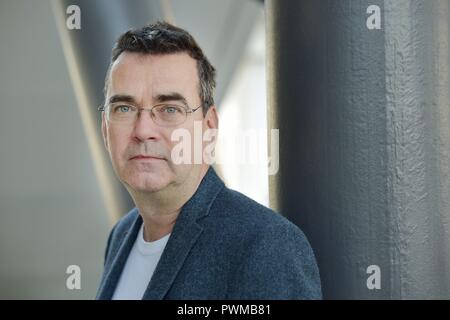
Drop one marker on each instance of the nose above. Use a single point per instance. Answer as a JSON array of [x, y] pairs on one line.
[[145, 128]]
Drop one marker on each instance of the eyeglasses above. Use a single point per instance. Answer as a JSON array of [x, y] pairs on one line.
[[164, 114]]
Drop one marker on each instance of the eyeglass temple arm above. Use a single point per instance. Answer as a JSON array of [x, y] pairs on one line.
[[193, 110]]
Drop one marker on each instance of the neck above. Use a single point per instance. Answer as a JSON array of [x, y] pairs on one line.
[[160, 210]]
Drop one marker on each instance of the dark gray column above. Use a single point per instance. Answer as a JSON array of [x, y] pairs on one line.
[[364, 118]]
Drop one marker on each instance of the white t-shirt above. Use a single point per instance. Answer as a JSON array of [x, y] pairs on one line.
[[139, 268]]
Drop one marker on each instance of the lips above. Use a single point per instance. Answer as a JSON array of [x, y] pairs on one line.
[[142, 157]]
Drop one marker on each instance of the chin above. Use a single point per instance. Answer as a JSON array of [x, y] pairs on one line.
[[147, 182]]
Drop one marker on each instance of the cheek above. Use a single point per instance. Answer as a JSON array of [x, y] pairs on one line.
[[189, 138], [118, 142], [167, 139]]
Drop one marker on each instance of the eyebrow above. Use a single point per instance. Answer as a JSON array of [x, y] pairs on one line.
[[121, 98], [172, 96], [164, 97]]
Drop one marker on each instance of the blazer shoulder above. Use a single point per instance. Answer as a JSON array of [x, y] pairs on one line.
[[275, 257], [245, 212], [257, 226]]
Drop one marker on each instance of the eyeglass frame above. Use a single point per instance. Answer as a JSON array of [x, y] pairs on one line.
[[188, 110]]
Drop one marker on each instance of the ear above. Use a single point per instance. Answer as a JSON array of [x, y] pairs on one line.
[[104, 129], [210, 133], [212, 118]]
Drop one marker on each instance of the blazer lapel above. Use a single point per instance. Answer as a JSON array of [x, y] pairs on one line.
[[111, 279], [184, 235]]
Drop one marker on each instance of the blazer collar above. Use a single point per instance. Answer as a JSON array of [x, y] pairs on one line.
[[125, 244], [184, 235]]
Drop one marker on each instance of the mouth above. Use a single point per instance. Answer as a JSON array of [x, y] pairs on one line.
[[144, 157]]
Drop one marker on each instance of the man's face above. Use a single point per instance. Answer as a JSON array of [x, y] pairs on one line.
[[148, 80]]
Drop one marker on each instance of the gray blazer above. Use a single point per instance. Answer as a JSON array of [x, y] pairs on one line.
[[223, 246]]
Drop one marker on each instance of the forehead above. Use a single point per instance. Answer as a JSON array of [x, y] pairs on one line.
[[144, 76]]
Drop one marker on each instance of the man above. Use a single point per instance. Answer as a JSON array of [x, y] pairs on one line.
[[189, 237]]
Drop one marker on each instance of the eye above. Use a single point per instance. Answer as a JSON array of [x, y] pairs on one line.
[[170, 109], [123, 108]]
